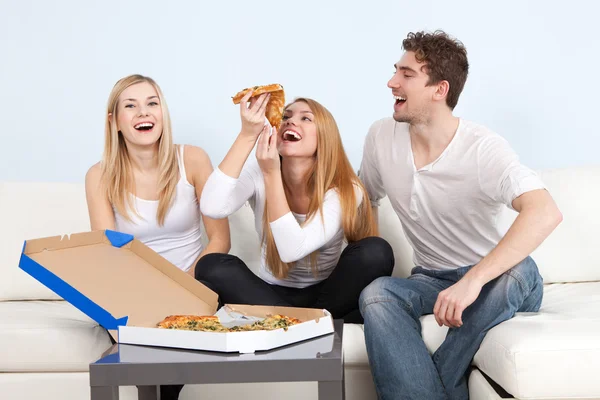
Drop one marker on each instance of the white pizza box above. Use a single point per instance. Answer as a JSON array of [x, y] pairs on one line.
[[128, 288], [304, 350]]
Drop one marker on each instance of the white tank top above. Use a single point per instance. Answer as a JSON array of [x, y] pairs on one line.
[[179, 240]]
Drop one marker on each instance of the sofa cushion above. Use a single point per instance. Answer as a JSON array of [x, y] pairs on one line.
[[30, 211], [551, 354], [37, 336], [480, 388]]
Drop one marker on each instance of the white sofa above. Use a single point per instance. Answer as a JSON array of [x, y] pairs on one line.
[[46, 344]]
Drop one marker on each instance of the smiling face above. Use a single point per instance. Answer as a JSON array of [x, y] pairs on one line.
[[139, 115], [413, 98], [298, 131]]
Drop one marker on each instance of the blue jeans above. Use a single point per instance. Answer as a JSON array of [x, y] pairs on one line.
[[401, 365]]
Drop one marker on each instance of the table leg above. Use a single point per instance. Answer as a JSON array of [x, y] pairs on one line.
[[104, 392], [331, 390], [148, 392]]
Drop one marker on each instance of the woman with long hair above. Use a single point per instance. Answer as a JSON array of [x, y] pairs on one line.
[[307, 203], [149, 187], [146, 185]]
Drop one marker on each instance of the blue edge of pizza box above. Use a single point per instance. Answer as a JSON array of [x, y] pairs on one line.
[[69, 293]]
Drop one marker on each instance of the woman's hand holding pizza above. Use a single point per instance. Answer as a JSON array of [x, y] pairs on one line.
[[253, 116]]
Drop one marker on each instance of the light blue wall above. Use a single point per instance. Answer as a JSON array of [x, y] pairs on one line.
[[534, 69]]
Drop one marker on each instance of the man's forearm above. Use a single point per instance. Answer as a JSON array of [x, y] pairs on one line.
[[531, 227]]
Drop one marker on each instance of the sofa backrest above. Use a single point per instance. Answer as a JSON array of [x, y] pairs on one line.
[[30, 211], [33, 210], [569, 253]]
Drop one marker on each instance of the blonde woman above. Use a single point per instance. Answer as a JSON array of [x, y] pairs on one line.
[[306, 200], [147, 186]]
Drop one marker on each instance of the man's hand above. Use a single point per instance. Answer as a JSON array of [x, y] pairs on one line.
[[453, 301]]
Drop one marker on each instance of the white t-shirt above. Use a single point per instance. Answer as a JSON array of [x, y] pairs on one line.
[[223, 195], [448, 209]]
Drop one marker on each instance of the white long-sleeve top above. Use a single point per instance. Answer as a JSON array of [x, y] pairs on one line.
[[223, 195]]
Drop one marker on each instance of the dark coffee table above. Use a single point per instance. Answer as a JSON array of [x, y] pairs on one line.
[[318, 359]]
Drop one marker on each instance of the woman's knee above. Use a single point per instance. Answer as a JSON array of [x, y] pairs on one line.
[[375, 253], [217, 266]]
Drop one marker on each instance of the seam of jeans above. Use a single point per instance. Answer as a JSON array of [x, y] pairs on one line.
[[520, 279], [381, 299], [539, 298], [430, 282]]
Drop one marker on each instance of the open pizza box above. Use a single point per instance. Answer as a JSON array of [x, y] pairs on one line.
[[128, 288]]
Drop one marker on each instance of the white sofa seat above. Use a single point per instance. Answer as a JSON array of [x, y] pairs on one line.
[[551, 354], [48, 336]]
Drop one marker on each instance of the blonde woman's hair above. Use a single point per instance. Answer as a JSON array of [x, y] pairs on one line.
[[117, 174], [331, 170]]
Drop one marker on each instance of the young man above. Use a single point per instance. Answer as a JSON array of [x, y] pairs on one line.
[[447, 179]]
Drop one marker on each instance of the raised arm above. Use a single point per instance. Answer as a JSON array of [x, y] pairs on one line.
[[295, 242], [253, 123], [231, 185]]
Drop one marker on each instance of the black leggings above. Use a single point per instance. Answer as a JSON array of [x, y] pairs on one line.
[[360, 263]]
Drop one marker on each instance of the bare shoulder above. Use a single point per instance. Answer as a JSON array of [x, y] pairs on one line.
[[197, 163], [93, 175], [194, 153]]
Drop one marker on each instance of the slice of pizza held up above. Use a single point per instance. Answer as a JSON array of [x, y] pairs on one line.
[[274, 111], [211, 323]]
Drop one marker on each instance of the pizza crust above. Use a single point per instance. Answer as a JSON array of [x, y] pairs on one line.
[[274, 111]]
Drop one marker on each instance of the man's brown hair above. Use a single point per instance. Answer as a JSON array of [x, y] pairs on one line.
[[445, 59]]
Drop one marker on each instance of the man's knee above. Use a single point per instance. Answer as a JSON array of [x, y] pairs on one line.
[[386, 289], [373, 291], [525, 274]]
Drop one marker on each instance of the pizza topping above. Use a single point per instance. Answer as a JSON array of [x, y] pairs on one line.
[[212, 324]]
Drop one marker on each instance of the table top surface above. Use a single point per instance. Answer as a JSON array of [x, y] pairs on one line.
[[324, 348]]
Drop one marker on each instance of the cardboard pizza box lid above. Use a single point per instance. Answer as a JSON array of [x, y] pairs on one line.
[[115, 279]]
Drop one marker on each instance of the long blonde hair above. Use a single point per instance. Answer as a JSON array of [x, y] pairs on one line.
[[117, 174], [331, 170]]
